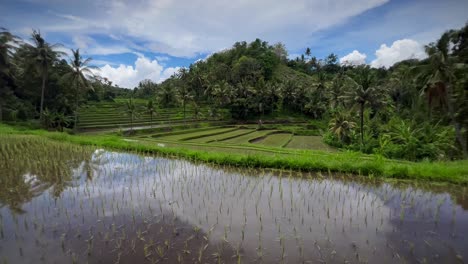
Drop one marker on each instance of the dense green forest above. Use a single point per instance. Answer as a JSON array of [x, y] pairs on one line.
[[415, 110]]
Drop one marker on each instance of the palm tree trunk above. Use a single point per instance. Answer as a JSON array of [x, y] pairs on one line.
[[75, 125], [184, 111], [44, 77], [361, 115], [451, 110]]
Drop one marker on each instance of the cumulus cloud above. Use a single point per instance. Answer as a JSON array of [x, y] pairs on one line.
[[354, 58], [402, 49], [128, 76]]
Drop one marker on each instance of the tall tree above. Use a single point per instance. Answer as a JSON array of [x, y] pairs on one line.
[[42, 55], [77, 76], [131, 111], [151, 110], [439, 73], [6, 52], [185, 96], [307, 52], [342, 126], [364, 90]]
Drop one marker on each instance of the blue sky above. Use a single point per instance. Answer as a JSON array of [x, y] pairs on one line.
[[151, 39]]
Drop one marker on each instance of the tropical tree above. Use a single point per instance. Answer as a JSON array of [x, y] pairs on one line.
[[364, 90], [440, 79], [307, 52], [317, 99], [185, 96], [151, 110], [6, 52], [166, 94], [401, 88], [78, 76], [197, 113], [131, 111], [337, 90], [42, 55], [222, 93], [60, 120], [342, 126]]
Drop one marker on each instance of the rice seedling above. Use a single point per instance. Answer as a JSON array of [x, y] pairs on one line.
[[63, 202]]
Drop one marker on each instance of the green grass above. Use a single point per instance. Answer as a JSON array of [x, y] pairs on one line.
[[275, 140], [309, 142], [197, 134], [305, 160], [223, 136], [178, 130], [112, 114], [246, 138]]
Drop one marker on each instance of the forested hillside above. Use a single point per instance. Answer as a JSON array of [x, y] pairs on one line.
[[416, 109]]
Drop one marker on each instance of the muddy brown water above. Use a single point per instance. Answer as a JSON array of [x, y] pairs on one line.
[[126, 208]]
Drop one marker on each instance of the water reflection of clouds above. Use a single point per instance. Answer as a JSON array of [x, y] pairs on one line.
[[332, 218]]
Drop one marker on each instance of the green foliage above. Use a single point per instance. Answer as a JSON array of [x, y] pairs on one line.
[[345, 162], [358, 107]]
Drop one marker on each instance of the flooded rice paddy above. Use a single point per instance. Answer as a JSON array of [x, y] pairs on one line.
[[69, 204]]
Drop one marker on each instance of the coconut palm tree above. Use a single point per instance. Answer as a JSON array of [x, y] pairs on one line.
[[185, 96], [77, 76], [131, 111], [364, 90], [342, 126], [151, 110], [401, 87], [307, 52], [61, 120], [439, 75], [6, 52], [197, 113], [42, 55], [222, 92], [166, 94], [336, 90]]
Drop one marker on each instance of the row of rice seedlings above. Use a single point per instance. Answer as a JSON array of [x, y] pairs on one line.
[[123, 206]]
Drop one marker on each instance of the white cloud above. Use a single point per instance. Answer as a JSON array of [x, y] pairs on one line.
[[162, 58], [402, 49], [129, 76], [354, 58], [187, 28]]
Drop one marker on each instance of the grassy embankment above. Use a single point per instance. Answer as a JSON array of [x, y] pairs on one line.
[[280, 158]]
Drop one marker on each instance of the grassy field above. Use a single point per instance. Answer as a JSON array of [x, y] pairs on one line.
[[303, 160], [281, 158]]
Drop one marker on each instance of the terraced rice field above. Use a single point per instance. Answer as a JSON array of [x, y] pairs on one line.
[[275, 140], [309, 142], [245, 139], [224, 136], [113, 114], [196, 134], [239, 136]]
